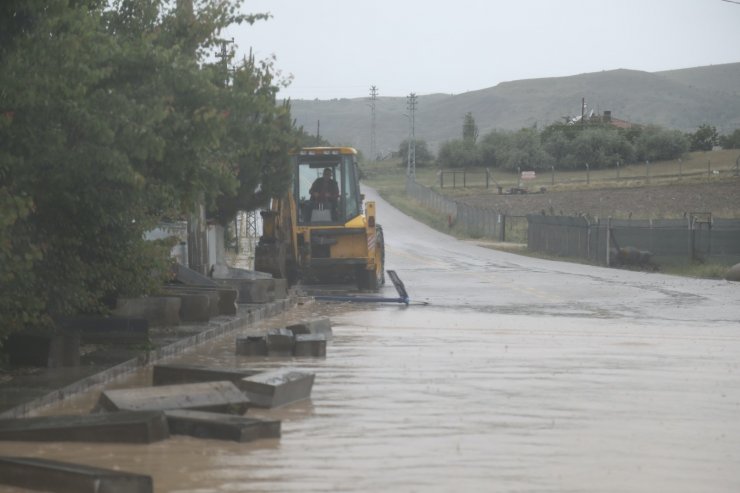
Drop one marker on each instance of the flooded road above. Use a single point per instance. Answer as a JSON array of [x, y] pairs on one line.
[[521, 375]]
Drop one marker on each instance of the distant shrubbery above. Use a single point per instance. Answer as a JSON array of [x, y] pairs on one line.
[[573, 146]]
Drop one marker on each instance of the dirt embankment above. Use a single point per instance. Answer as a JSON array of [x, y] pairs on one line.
[[665, 201]]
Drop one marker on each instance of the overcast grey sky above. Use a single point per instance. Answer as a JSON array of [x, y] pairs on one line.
[[339, 48]]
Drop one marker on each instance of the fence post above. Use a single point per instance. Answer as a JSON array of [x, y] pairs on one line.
[[441, 179], [709, 170], [608, 240], [552, 176], [465, 175], [647, 171], [617, 170], [502, 232], [588, 175], [487, 178]]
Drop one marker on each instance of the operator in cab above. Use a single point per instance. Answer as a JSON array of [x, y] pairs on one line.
[[325, 192]]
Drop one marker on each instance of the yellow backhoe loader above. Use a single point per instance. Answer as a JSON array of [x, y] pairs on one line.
[[320, 231]]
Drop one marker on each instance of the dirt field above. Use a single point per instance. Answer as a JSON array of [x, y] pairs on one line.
[[659, 202]]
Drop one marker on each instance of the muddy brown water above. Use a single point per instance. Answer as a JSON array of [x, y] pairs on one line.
[[520, 375]]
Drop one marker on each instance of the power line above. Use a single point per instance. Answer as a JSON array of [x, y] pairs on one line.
[[373, 98], [411, 101]]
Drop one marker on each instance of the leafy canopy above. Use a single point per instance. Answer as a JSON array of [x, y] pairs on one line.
[[112, 119]]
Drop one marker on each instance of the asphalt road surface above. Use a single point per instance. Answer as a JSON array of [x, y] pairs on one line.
[[519, 375]]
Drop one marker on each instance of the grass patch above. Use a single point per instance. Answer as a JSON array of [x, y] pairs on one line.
[[697, 270]]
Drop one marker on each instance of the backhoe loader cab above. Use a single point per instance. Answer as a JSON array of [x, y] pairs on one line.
[[326, 188], [319, 231]]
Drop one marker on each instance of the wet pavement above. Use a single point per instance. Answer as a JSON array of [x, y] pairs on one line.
[[520, 375]]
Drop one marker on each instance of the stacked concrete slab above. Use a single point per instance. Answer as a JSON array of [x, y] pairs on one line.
[[109, 330], [184, 400], [172, 374], [277, 388], [122, 427], [273, 388], [218, 426], [158, 310], [188, 400], [222, 396], [64, 477], [253, 286], [305, 338]]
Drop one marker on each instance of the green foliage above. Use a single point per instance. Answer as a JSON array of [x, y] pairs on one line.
[[574, 146], [731, 141], [423, 155], [258, 138], [110, 120], [525, 151], [458, 154], [657, 144], [705, 137], [470, 129]]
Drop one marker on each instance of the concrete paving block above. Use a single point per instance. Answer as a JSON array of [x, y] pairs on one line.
[[278, 387], [121, 427], [251, 346], [310, 345], [217, 426], [225, 296], [188, 276], [220, 397], [280, 342], [258, 290], [158, 310], [247, 290], [280, 289], [173, 374], [320, 325], [40, 348], [224, 271], [65, 477], [109, 330], [194, 307]]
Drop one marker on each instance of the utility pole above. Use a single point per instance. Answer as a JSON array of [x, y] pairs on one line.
[[411, 163], [224, 56], [373, 98]]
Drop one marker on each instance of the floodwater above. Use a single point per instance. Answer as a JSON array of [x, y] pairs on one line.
[[519, 375]]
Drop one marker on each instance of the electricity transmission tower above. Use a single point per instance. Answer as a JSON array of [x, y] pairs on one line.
[[411, 163], [373, 98], [247, 235]]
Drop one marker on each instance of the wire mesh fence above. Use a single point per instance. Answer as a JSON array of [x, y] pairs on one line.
[[697, 237]]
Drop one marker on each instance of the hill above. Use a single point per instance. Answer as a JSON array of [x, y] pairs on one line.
[[679, 99]]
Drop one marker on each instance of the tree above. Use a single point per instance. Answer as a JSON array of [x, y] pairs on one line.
[[705, 137], [422, 154], [525, 151], [457, 154], [655, 144], [112, 119], [731, 141], [470, 129], [493, 148]]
